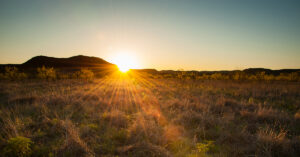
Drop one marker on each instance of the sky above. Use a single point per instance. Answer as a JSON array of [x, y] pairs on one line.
[[160, 34]]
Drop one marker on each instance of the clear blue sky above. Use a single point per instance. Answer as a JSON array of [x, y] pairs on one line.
[[161, 34]]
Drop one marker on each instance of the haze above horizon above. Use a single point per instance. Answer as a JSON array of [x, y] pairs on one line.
[[160, 34]]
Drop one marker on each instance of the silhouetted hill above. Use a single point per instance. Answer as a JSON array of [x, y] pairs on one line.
[[64, 65], [269, 71], [75, 61]]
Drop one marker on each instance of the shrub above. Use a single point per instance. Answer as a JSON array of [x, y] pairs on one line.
[[63, 76], [217, 76], [46, 73], [205, 147], [84, 74], [12, 73], [282, 76], [294, 76], [18, 146], [273, 143], [2, 76], [260, 75]]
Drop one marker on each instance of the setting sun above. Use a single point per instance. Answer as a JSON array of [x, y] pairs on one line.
[[125, 62]]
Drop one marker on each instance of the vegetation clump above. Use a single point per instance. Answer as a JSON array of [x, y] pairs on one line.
[[18, 146], [46, 73], [12, 73], [85, 74]]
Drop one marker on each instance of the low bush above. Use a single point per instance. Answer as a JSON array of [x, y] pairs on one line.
[[18, 146], [12, 73], [46, 73], [85, 74]]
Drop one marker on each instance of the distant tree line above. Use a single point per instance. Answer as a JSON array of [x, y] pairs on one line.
[[46, 73], [237, 75]]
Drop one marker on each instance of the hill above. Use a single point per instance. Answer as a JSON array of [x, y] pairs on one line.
[[75, 61], [64, 65]]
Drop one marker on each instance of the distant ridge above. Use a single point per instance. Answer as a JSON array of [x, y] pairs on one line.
[[65, 65], [75, 61], [269, 71], [248, 71], [98, 64]]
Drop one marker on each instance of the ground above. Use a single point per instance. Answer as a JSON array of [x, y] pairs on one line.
[[139, 116]]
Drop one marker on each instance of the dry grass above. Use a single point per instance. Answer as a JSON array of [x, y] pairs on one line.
[[138, 116]]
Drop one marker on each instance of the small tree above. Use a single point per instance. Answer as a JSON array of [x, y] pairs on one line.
[[46, 73]]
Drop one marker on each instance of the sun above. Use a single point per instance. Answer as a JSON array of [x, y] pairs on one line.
[[125, 62], [123, 69]]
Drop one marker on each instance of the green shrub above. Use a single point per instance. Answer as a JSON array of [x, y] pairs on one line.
[[180, 147], [205, 146], [18, 146], [46, 73]]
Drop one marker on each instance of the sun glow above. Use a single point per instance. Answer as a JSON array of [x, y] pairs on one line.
[[125, 62]]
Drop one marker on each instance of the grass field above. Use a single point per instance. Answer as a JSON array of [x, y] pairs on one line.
[[139, 116]]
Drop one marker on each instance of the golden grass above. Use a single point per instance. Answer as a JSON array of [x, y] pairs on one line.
[[129, 114]]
